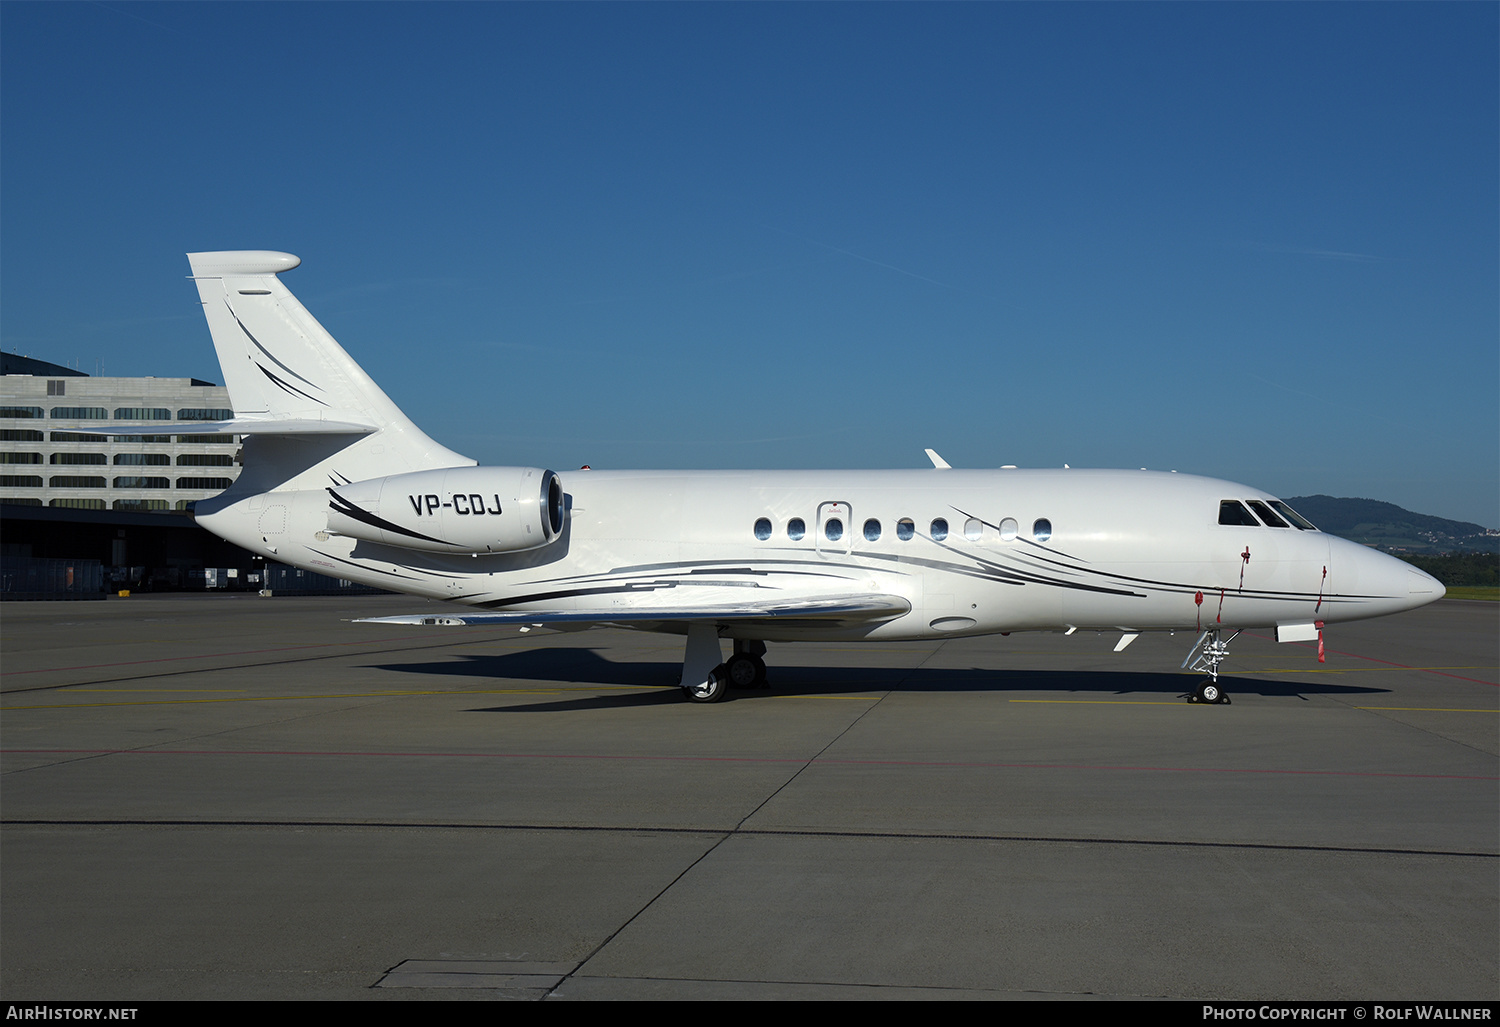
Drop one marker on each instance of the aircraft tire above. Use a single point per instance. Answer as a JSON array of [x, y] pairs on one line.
[[745, 671], [1210, 692], [712, 690]]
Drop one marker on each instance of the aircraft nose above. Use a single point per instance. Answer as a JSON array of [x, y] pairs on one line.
[[1378, 583], [1397, 583], [1423, 588]]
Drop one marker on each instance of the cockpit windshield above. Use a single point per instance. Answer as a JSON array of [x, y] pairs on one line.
[[1233, 512], [1293, 515], [1264, 513]]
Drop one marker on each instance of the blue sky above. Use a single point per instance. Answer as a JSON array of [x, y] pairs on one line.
[[1255, 241]]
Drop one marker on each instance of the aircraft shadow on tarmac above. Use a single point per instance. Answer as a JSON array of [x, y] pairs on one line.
[[586, 666]]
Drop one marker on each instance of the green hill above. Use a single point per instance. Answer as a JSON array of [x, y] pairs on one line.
[[1387, 526]]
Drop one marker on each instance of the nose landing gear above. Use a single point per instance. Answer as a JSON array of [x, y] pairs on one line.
[[1210, 651]]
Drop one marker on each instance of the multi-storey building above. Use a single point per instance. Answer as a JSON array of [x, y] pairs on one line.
[[84, 465]]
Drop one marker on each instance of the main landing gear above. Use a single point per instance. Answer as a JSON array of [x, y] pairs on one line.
[[705, 679], [1210, 651]]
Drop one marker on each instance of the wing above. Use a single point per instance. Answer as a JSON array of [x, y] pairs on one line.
[[821, 611]]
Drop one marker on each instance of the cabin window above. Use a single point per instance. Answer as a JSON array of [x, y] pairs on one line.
[[1233, 512], [833, 529], [872, 530], [795, 528], [1009, 529], [1293, 515], [763, 529], [905, 529], [973, 529], [939, 529], [1266, 515], [1041, 529]]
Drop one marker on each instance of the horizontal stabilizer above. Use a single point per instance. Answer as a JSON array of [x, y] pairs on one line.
[[853, 609]]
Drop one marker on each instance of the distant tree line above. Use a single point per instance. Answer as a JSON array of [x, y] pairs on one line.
[[1460, 568]]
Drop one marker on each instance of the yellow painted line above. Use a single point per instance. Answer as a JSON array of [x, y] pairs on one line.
[[860, 698], [1423, 709], [73, 689], [1110, 702], [1348, 670], [1151, 702], [294, 698]]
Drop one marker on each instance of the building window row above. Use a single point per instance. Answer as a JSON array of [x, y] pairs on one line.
[[154, 459], [121, 413], [20, 435], [95, 481]]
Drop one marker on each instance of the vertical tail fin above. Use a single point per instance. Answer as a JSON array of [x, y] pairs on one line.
[[312, 413]]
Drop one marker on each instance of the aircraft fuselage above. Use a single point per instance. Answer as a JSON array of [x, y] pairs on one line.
[[971, 551]]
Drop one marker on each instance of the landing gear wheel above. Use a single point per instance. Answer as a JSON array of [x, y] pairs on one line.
[[1210, 692], [746, 671], [712, 690]]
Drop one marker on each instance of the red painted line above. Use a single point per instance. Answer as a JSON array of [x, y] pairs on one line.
[[1388, 663], [750, 759], [215, 656]]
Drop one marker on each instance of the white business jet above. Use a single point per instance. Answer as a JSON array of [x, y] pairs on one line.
[[337, 480]]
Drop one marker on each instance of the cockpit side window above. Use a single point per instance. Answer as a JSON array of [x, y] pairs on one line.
[[1265, 514], [1293, 516], [1233, 512]]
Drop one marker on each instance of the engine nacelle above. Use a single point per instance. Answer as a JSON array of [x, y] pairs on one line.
[[452, 509]]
